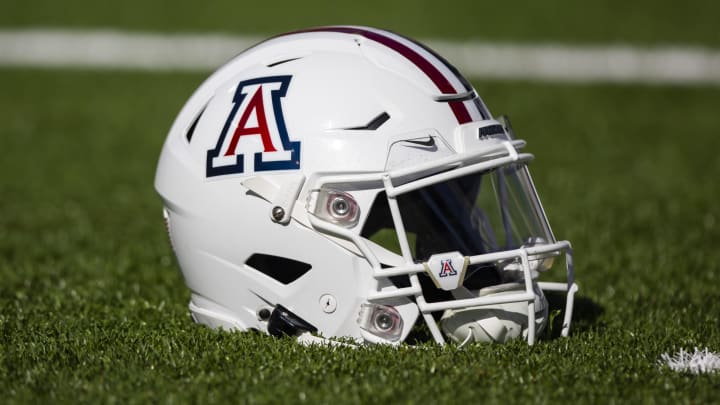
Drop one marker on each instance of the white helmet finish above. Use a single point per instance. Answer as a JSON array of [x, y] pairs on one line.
[[347, 182]]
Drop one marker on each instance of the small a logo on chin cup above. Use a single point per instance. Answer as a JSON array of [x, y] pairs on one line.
[[447, 270]]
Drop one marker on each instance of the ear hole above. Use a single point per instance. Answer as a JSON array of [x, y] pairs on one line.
[[278, 268]]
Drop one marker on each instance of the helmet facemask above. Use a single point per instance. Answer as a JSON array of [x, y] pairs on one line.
[[465, 243]]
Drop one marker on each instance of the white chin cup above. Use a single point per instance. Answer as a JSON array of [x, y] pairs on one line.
[[496, 323]]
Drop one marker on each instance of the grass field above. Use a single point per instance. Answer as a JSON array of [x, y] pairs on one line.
[[641, 21], [94, 310]]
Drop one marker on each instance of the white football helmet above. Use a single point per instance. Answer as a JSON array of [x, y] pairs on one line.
[[347, 181]]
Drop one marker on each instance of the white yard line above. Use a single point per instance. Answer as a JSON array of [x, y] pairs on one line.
[[551, 62]]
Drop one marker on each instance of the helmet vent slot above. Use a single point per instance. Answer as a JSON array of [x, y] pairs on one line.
[[191, 130], [446, 98], [280, 62], [373, 125], [278, 268]]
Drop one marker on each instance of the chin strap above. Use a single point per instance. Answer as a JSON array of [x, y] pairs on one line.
[[470, 334]]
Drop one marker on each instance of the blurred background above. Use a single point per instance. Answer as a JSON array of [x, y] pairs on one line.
[[613, 21]]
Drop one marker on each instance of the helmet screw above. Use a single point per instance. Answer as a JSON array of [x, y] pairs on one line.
[[264, 314], [278, 213], [328, 303]]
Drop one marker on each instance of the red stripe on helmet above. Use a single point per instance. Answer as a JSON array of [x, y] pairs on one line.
[[443, 84]]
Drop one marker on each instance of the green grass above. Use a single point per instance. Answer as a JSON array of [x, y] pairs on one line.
[[617, 21], [93, 309]]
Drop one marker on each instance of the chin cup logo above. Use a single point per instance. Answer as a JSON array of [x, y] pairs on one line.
[[254, 137], [447, 270]]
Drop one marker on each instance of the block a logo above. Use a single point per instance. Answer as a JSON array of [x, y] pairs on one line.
[[254, 137], [446, 268]]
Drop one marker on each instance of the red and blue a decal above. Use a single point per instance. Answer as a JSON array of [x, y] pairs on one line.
[[254, 137], [446, 268]]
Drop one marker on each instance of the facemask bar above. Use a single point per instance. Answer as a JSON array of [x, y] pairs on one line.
[[507, 154]]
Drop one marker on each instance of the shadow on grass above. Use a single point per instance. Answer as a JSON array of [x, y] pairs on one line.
[[585, 314]]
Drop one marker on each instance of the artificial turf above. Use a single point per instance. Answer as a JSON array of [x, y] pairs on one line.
[[93, 308]]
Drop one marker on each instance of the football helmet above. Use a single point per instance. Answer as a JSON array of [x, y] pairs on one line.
[[348, 182]]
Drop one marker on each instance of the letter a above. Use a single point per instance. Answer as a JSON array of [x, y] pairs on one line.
[[255, 104]]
